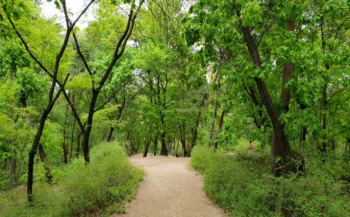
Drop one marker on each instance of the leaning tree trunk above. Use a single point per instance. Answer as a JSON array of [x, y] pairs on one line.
[[33, 152], [145, 152], [280, 149]]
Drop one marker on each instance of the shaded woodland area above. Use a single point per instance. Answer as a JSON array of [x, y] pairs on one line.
[[182, 78]]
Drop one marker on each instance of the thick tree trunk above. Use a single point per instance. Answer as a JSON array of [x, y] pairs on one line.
[[221, 123], [145, 152], [164, 150], [88, 129], [177, 148], [280, 149]]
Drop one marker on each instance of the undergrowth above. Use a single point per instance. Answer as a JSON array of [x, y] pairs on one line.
[[97, 189], [244, 187]]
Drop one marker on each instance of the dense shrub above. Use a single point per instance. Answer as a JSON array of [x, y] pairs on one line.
[[244, 189], [108, 180], [100, 187]]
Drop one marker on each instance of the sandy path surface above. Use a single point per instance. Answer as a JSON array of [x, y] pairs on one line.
[[170, 189]]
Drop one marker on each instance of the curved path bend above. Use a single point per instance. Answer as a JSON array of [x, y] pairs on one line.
[[170, 189]]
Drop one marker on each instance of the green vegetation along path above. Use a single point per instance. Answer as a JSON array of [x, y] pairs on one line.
[[170, 189]]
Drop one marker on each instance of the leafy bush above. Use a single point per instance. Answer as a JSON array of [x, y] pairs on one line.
[[201, 158], [78, 190], [110, 179], [244, 189]]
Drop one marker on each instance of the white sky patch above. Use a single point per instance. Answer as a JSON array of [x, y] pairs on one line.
[[74, 8]]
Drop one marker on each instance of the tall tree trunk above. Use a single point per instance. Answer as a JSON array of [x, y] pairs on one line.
[[195, 130], [221, 123], [33, 152], [88, 129], [280, 149], [145, 152], [213, 127], [183, 138], [164, 150]]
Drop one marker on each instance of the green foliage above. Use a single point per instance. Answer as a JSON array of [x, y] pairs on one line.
[[110, 179], [100, 187], [245, 188], [201, 158]]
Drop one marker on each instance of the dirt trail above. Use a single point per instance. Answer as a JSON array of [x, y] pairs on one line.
[[170, 189]]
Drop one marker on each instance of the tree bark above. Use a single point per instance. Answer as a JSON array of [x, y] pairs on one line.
[[280, 149], [221, 123], [164, 150], [88, 129], [145, 152], [195, 132], [32, 154], [183, 138]]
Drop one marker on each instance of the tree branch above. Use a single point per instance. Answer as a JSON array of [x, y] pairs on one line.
[[112, 97]]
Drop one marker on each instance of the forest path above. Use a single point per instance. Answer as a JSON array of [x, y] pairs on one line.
[[170, 189]]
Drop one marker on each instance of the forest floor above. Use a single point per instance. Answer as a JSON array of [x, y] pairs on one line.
[[170, 189]]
